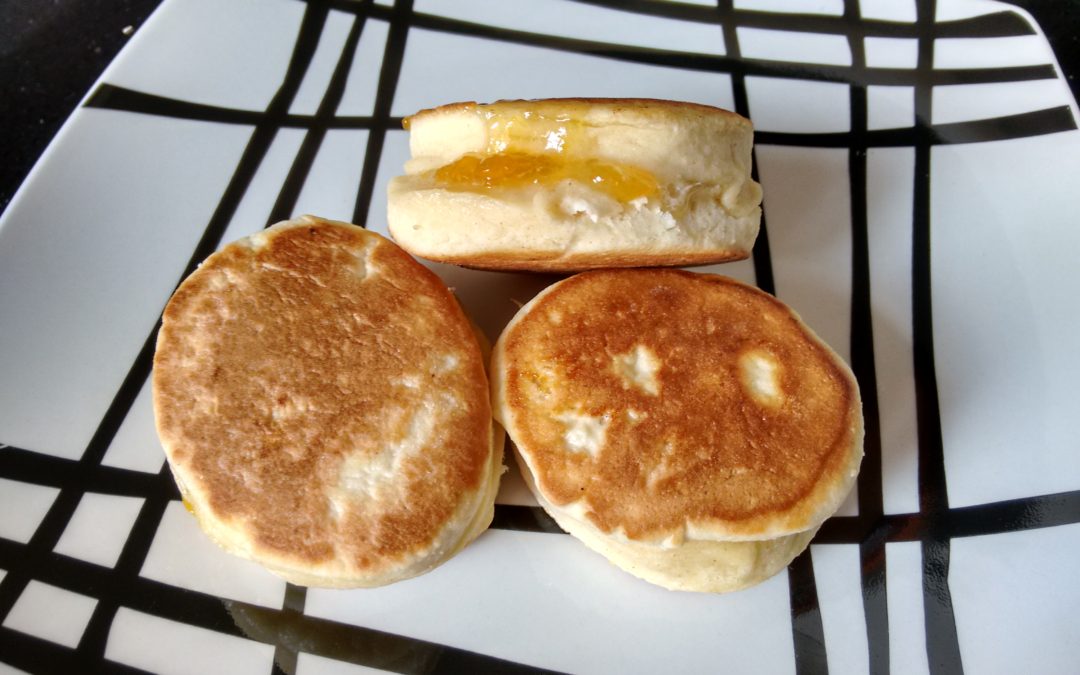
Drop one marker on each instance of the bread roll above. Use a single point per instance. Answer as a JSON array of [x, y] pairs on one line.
[[323, 405], [688, 427], [573, 184]]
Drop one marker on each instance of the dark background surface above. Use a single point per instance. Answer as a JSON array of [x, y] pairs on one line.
[[52, 51]]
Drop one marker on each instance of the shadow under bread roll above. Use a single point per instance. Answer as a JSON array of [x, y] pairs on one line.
[[323, 404]]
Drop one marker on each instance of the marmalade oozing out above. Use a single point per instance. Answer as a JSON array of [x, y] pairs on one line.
[[519, 169], [526, 148]]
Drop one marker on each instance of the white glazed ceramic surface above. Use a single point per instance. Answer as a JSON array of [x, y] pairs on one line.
[[920, 213]]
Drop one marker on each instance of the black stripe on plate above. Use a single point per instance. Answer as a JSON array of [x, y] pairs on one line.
[[1021, 125], [393, 55], [36, 655], [1026, 513], [856, 530], [761, 254], [942, 645], [1011, 515], [871, 550], [137, 593], [111, 97], [729, 63], [808, 635], [364, 646], [1029, 513], [92, 645], [41, 542], [1000, 24], [285, 650], [309, 147], [806, 628], [40, 469]]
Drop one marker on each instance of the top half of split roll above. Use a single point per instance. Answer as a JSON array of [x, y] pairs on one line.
[[561, 185]]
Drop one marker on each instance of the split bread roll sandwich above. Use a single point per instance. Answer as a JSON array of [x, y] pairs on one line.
[[688, 427], [323, 404], [573, 184]]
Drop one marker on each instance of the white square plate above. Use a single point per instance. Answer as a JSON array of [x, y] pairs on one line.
[[920, 214]]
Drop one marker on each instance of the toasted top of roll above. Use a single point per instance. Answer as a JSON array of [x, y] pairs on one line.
[[661, 406], [570, 184], [323, 404]]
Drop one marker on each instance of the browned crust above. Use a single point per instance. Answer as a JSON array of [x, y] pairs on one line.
[[732, 465], [292, 328], [615, 104], [529, 261]]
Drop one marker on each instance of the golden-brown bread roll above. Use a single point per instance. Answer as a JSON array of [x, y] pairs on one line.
[[323, 405], [688, 427]]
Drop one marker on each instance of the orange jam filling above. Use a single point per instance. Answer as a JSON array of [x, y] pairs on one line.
[[527, 147], [518, 169], [188, 506]]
